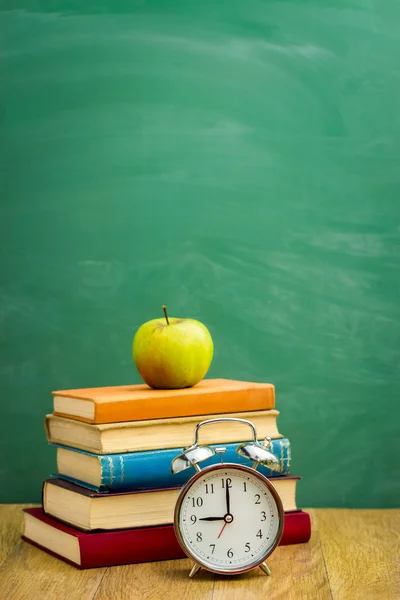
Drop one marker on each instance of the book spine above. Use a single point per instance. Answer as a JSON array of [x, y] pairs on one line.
[[152, 469]]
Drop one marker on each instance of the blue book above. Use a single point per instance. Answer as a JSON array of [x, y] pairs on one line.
[[146, 470]]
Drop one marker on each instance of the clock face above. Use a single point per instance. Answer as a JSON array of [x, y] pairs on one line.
[[229, 518]]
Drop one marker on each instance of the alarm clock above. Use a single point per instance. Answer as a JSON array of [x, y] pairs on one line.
[[228, 517]]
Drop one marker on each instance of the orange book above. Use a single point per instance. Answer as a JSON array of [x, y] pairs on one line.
[[140, 402]]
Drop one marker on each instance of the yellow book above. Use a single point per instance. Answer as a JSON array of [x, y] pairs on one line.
[[133, 436]]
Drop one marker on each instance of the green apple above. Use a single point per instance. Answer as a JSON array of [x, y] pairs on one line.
[[172, 353]]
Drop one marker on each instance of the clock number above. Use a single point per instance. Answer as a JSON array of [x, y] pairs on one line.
[[213, 548], [193, 518], [211, 487], [247, 547], [228, 483], [258, 499], [263, 516], [229, 553], [259, 534], [197, 502], [199, 537], [244, 486]]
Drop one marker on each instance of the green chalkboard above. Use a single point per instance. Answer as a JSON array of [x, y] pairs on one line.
[[235, 160]]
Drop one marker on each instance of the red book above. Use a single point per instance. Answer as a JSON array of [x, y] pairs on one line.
[[297, 528], [126, 546]]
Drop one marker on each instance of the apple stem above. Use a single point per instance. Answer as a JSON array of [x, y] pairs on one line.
[[165, 313]]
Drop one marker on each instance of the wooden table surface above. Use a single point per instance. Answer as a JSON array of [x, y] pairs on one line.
[[352, 554]]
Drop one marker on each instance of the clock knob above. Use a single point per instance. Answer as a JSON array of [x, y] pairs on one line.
[[190, 457], [258, 454]]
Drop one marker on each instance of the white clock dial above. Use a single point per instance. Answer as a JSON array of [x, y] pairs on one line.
[[229, 519]]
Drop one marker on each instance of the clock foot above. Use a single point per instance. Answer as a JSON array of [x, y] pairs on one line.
[[194, 570], [265, 568]]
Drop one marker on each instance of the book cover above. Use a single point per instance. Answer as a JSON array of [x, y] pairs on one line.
[[152, 469], [140, 402], [135, 436], [127, 546]]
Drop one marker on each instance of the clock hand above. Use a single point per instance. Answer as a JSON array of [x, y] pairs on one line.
[[228, 500], [212, 519], [220, 533]]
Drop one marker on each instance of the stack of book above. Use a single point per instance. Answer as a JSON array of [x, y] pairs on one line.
[[112, 500]]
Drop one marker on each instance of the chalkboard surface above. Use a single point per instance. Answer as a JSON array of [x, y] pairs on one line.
[[237, 161]]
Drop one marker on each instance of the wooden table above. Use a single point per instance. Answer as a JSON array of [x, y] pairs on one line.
[[352, 554]]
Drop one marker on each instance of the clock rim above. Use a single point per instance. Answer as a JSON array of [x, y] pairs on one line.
[[220, 467]]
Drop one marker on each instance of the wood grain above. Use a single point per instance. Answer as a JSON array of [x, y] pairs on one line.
[[31, 573], [167, 580], [352, 555], [26, 572], [10, 528], [361, 552]]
